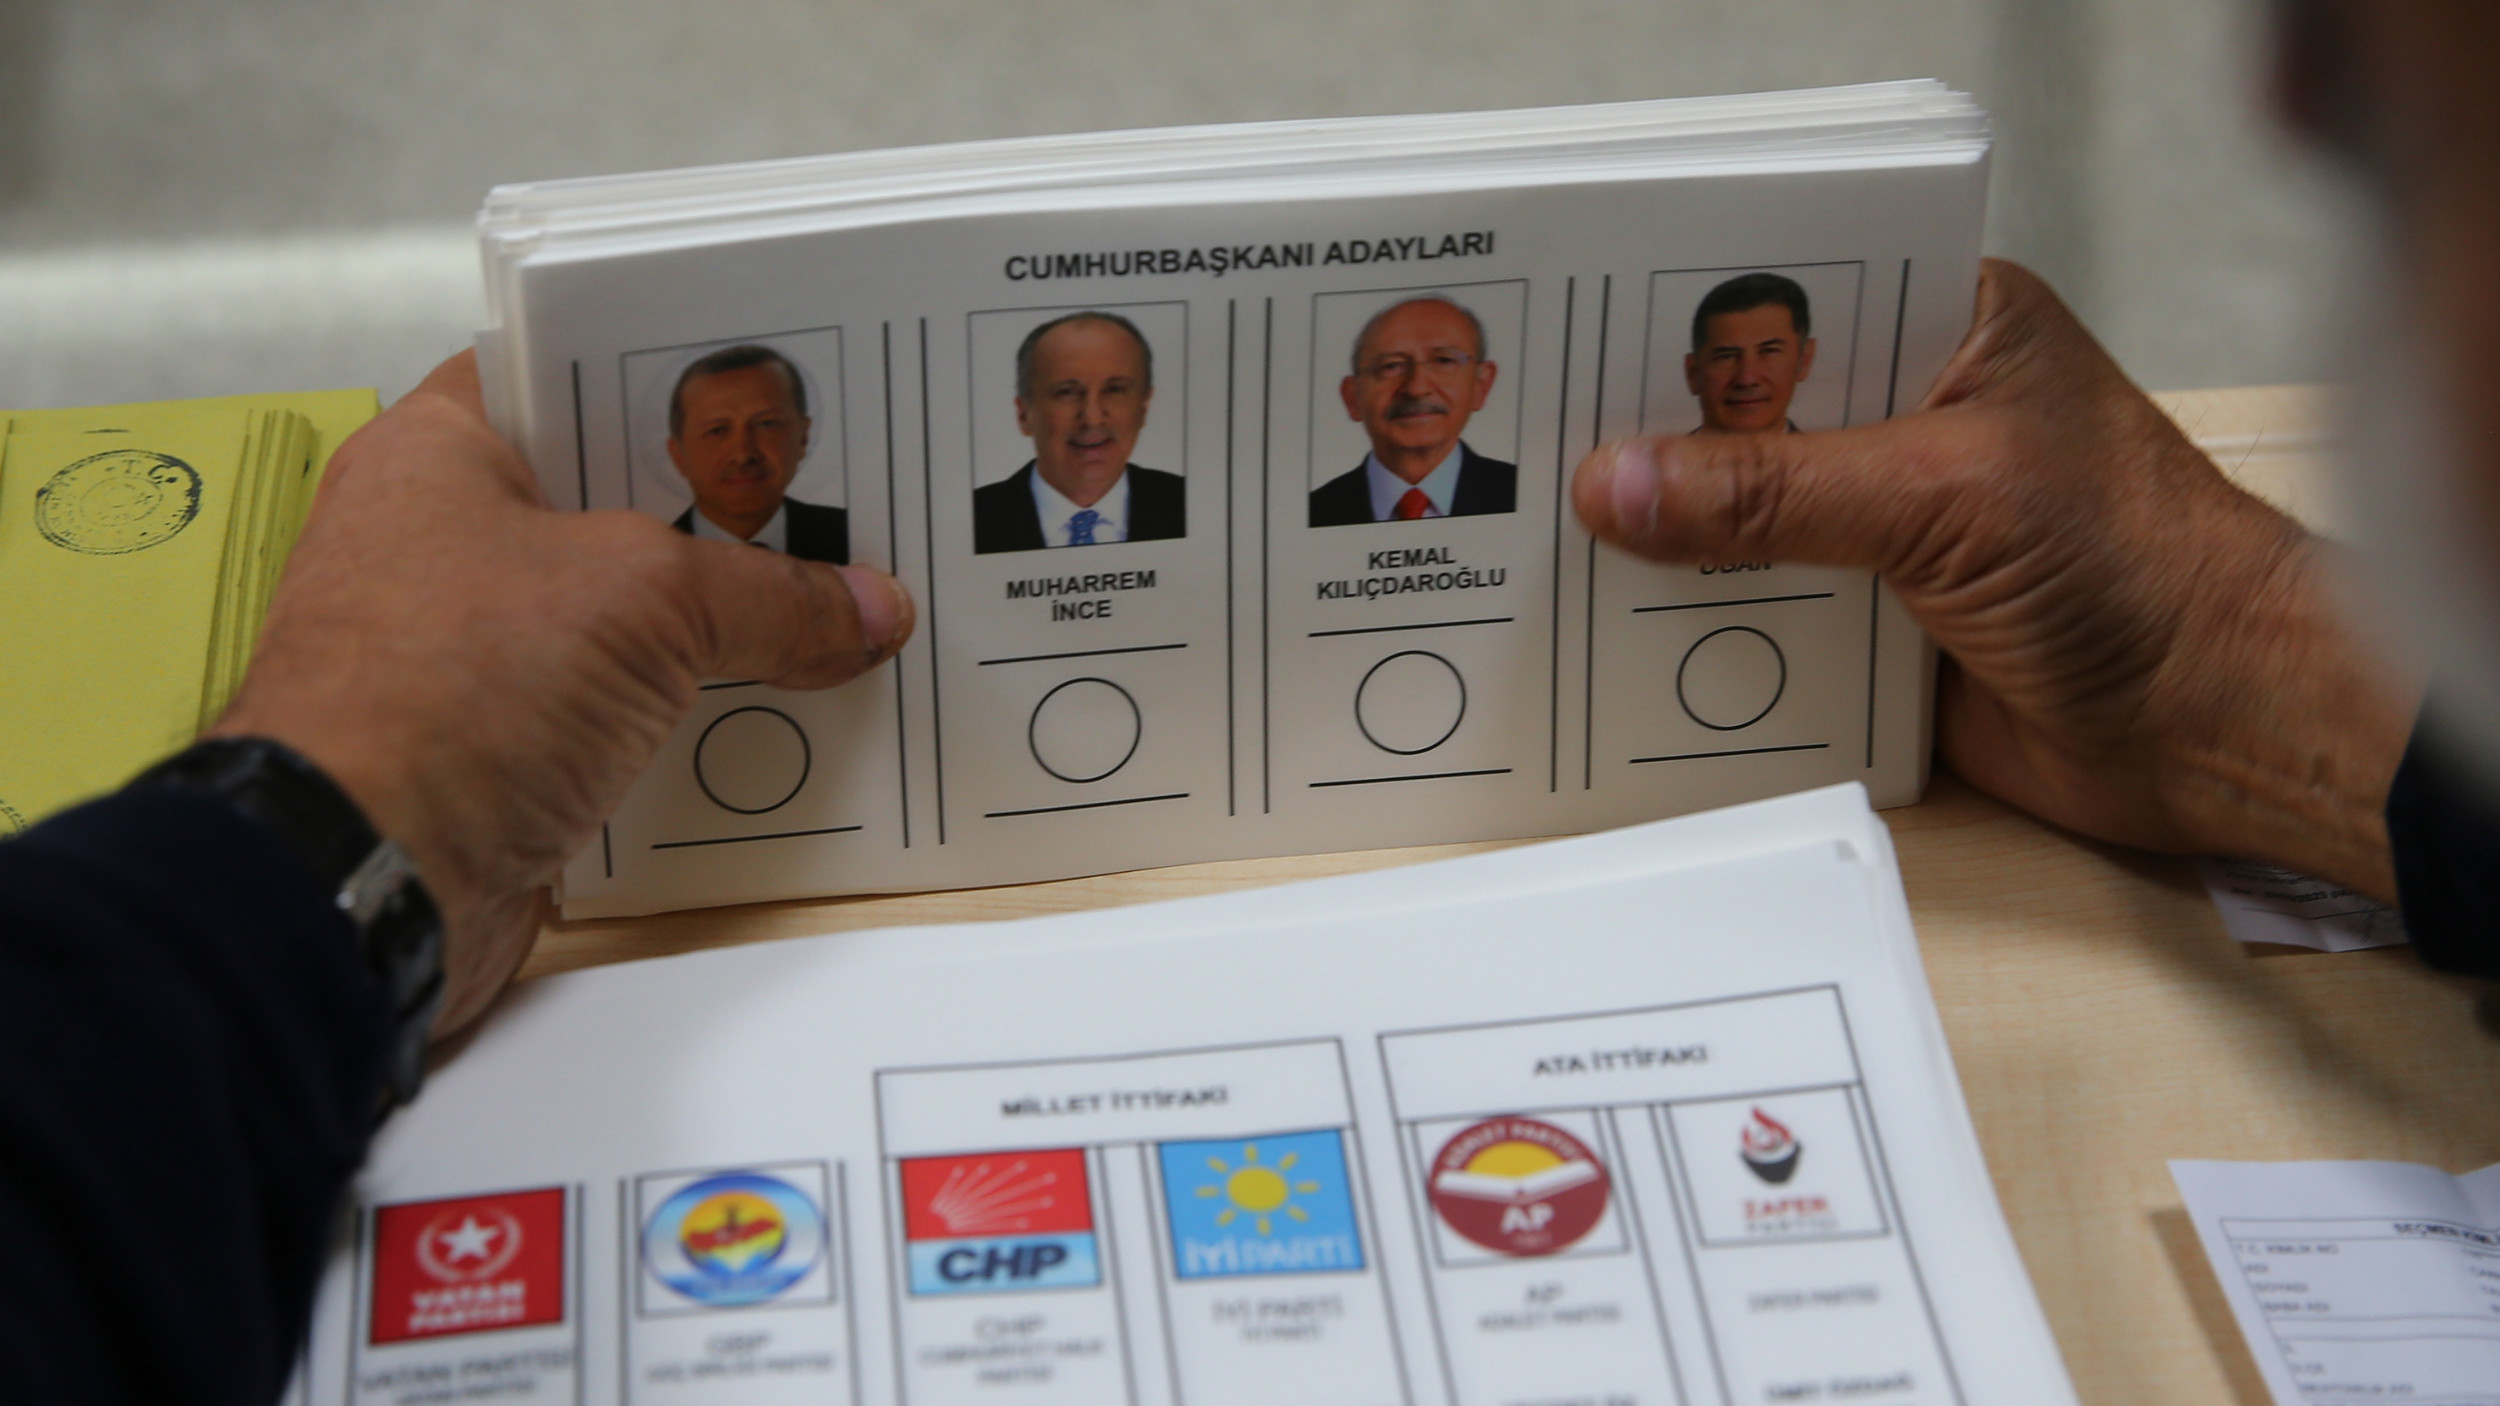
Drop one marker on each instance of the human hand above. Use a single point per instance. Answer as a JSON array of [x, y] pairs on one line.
[[2136, 648], [485, 676]]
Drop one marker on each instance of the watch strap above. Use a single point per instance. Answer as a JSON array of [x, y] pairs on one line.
[[369, 878]]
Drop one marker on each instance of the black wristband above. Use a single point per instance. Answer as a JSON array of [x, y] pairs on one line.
[[372, 880]]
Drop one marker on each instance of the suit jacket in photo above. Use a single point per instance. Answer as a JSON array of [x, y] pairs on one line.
[[1005, 520], [817, 533], [1484, 486]]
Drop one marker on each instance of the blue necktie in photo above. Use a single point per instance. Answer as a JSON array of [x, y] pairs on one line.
[[1081, 527]]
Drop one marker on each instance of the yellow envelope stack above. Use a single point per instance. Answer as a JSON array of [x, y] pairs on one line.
[[139, 545]]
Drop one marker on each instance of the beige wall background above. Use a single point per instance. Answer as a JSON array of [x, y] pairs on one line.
[[265, 194]]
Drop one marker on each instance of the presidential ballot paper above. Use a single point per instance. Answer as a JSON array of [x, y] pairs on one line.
[[1661, 1117], [1228, 467]]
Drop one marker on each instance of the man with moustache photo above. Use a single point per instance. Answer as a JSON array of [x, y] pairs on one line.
[[1753, 342], [738, 430], [1083, 382], [1419, 374]]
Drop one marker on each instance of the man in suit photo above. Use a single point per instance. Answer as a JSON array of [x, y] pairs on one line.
[[1753, 341], [737, 431], [1083, 382], [1419, 374]]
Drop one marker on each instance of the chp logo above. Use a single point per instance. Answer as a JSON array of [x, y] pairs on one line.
[[999, 1221], [468, 1264], [1769, 1149], [734, 1239], [1517, 1186]]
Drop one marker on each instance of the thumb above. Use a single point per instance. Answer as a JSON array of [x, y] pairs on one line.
[[1858, 497], [800, 624]]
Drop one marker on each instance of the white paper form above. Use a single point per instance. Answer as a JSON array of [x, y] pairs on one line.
[[1260, 668], [2266, 903], [2357, 1281], [1181, 1154]]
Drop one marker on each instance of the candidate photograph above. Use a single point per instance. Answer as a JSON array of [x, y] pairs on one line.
[[738, 429], [1419, 371], [1753, 345], [1084, 384]]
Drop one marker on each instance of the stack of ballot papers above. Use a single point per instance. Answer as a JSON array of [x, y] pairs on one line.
[[1228, 467], [1658, 1116], [138, 548]]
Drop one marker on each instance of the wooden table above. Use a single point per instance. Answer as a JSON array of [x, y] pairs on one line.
[[2102, 1021]]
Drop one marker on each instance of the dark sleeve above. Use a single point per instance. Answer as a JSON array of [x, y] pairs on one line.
[[2445, 835], [191, 1054]]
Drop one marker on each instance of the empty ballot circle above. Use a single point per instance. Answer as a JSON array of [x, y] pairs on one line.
[[1731, 678], [751, 760], [1410, 702], [1085, 729]]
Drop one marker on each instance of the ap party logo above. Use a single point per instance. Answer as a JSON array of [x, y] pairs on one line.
[[1519, 1186], [730, 1239], [1270, 1205]]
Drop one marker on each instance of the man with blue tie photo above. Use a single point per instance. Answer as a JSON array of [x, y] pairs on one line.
[[1420, 373], [1083, 382]]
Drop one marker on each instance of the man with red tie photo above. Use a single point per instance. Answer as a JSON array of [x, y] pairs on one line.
[[1419, 374], [1083, 382]]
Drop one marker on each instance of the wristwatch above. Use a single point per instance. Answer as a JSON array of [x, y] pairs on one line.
[[370, 878]]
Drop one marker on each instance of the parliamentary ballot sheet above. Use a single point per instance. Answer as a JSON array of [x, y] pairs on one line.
[[1662, 1117], [1257, 640]]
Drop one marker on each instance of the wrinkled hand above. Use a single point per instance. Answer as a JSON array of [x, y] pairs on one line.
[[2137, 649], [485, 676]]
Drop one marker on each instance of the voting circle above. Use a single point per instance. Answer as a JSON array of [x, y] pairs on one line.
[[752, 760], [1085, 729], [1410, 702], [1731, 678]]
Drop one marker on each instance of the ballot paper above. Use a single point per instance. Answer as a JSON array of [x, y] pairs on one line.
[[139, 545], [2357, 1281], [1658, 1116], [1228, 467]]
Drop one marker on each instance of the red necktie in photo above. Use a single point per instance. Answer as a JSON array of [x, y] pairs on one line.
[[1413, 505]]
